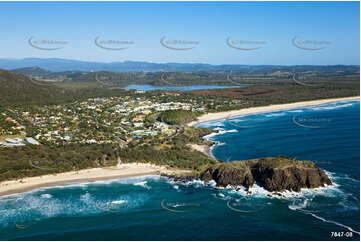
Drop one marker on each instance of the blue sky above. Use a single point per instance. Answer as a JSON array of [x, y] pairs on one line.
[[274, 24]]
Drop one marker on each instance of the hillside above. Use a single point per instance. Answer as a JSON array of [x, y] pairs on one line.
[[17, 89], [31, 71], [108, 75], [59, 65]]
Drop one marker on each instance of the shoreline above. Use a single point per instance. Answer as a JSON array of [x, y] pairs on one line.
[[205, 149], [87, 175], [265, 109]]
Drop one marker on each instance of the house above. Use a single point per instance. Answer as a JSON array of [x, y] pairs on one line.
[[12, 141], [19, 126], [91, 141], [137, 132], [138, 118], [9, 119], [68, 137], [31, 141], [147, 111], [151, 133], [10, 145], [136, 125]]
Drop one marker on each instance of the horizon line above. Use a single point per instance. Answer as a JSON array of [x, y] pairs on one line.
[[160, 63]]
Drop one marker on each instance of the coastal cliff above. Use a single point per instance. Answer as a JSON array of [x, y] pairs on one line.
[[273, 174]]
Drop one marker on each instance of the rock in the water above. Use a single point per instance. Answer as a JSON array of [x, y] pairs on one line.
[[280, 175], [226, 174], [274, 174]]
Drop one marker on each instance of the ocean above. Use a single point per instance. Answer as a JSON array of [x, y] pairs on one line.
[[157, 208]]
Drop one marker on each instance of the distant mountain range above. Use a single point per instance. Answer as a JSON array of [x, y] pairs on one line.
[[62, 65]]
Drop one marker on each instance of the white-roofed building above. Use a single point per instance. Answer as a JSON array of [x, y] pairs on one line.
[[31, 141]]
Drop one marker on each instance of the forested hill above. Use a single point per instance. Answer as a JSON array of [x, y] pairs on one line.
[[32, 71], [18, 89]]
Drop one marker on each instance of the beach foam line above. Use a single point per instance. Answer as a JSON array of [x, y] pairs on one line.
[[131, 179], [85, 175], [256, 191], [267, 109]]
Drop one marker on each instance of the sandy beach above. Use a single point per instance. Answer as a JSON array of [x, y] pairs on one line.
[[277, 107], [87, 175]]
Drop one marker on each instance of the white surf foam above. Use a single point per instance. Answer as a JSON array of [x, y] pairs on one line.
[[118, 202], [142, 184], [278, 114], [331, 107], [296, 111], [212, 124], [46, 195], [127, 180], [221, 195]]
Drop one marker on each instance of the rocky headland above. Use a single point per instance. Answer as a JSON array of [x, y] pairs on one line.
[[275, 174]]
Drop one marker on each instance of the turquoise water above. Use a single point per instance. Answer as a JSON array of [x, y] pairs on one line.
[[175, 88], [156, 208]]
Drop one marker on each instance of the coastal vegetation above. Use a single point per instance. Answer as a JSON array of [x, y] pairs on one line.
[[34, 160], [273, 173], [177, 117]]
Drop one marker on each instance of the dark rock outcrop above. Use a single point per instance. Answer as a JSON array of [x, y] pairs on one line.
[[226, 174], [274, 174], [291, 178]]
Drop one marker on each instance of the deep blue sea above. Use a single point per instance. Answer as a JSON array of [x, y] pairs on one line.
[[156, 208]]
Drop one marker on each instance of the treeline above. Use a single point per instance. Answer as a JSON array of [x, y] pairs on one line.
[[254, 96], [298, 93], [27, 161], [177, 117], [20, 162], [218, 76]]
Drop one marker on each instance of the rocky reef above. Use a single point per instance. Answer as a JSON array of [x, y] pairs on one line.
[[275, 174]]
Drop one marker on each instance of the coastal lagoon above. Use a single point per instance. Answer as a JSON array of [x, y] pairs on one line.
[[148, 88], [157, 208]]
